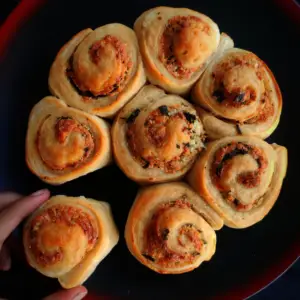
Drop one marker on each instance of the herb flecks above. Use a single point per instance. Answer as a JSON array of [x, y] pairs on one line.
[[64, 118], [233, 153], [238, 128], [189, 117], [228, 156], [236, 202], [219, 95], [239, 98], [133, 116], [165, 234], [149, 257], [146, 163], [164, 110]]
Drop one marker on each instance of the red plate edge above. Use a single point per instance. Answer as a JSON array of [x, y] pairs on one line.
[[14, 21], [27, 8]]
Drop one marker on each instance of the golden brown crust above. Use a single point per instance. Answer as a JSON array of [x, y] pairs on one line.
[[98, 71], [170, 229], [176, 45], [67, 237], [64, 143], [239, 95], [240, 177], [156, 137]]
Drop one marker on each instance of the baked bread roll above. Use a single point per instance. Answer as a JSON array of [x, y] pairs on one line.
[[156, 137], [170, 229], [67, 237], [64, 143], [176, 45], [240, 177], [98, 70], [239, 95]]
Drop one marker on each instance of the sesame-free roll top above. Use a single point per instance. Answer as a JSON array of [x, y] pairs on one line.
[[239, 95], [240, 177], [156, 137], [64, 143], [98, 70], [176, 45], [67, 237], [170, 229]]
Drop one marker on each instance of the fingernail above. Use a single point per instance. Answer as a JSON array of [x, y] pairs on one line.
[[39, 193], [80, 296], [4, 265]]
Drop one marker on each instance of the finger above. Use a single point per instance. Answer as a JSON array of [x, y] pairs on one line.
[[7, 198], [5, 261], [76, 293], [11, 216]]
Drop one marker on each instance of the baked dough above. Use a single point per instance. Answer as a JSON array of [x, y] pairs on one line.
[[156, 137], [239, 95], [98, 70], [176, 45], [170, 229], [240, 177], [64, 143], [67, 237]]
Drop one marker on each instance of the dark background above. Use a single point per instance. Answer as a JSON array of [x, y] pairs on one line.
[[288, 285]]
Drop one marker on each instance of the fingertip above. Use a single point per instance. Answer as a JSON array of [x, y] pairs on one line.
[[76, 293], [5, 267], [82, 292], [39, 197], [40, 193], [16, 212], [5, 260]]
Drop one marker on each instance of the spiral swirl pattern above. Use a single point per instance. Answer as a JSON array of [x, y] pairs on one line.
[[240, 177], [64, 143], [170, 229], [240, 96], [162, 135], [67, 237], [98, 71], [176, 45]]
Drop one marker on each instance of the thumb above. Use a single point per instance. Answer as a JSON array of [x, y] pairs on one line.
[[76, 293], [11, 216]]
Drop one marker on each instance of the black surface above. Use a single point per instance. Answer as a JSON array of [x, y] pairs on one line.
[[241, 254]]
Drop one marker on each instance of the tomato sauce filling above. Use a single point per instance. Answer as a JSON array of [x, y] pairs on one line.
[[241, 96], [156, 243], [156, 132], [63, 128], [168, 57], [96, 55], [222, 161]]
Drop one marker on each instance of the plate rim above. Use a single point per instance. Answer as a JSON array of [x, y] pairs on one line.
[[27, 8]]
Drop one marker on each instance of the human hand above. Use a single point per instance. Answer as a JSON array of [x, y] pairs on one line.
[[13, 209]]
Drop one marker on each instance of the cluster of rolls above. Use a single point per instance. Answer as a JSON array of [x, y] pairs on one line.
[[143, 79]]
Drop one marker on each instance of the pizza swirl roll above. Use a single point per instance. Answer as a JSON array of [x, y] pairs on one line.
[[239, 95], [170, 229], [176, 45], [67, 237], [156, 137], [240, 177], [64, 143], [99, 70]]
